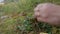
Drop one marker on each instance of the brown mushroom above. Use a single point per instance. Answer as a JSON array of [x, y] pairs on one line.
[[48, 13]]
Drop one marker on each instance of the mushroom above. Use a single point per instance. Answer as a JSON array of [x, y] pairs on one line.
[[48, 13]]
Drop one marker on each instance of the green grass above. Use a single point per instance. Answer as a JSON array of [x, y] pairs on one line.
[[23, 7]]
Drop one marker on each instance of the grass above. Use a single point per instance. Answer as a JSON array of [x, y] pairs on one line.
[[18, 13]]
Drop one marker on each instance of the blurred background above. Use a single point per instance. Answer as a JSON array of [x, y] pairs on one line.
[[16, 17]]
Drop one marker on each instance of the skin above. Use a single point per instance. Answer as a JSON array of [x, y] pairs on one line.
[[48, 13]]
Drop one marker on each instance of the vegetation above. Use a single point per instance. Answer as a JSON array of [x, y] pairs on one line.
[[19, 18]]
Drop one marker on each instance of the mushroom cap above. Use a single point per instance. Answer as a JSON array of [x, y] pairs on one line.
[[48, 13]]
